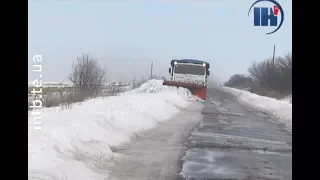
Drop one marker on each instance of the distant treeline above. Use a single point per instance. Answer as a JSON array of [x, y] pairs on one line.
[[268, 77]]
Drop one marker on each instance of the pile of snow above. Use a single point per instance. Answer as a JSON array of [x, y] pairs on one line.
[[155, 86], [77, 143], [278, 108]]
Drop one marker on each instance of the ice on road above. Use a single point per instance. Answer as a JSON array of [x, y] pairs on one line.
[[234, 141]]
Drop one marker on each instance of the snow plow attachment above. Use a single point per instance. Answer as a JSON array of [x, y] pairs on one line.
[[197, 90]]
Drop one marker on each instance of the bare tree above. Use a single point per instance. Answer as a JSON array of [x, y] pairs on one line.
[[87, 76], [273, 76]]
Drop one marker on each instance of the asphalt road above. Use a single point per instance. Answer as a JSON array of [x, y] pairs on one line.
[[236, 142]]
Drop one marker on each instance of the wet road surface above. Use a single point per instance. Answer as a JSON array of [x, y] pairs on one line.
[[235, 142]]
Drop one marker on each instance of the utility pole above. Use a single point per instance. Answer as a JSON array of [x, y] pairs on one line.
[[151, 70], [274, 50]]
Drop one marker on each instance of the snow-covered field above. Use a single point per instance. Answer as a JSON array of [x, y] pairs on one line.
[[69, 84], [282, 109], [51, 84], [77, 143]]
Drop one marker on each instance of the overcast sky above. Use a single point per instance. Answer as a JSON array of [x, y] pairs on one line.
[[127, 35]]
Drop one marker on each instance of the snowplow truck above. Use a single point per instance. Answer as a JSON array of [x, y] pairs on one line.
[[191, 74]]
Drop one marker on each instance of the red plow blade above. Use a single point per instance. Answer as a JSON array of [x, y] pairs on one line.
[[197, 90]]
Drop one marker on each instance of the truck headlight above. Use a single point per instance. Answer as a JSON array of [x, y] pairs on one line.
[[204, 64]]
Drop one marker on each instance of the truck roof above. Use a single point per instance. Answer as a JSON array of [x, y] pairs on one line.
[[193, 61]]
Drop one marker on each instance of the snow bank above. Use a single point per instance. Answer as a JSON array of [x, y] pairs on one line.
[[155, 86], [76, 144], [278, 108]]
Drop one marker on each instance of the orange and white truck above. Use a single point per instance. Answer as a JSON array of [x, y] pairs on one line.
[[191, 74]]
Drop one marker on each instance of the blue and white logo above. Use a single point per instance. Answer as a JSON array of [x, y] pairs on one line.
[[267, 16]]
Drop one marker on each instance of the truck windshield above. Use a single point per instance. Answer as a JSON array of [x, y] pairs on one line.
[[189, 69]]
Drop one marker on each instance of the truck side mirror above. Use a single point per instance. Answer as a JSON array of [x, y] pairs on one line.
[[169, 70], [208, 73]]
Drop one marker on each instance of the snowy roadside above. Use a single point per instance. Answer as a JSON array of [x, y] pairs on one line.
[[282, 109], [157, 153], [77, 143]]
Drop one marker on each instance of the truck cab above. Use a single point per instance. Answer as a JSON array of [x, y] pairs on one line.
[[189, 71]]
